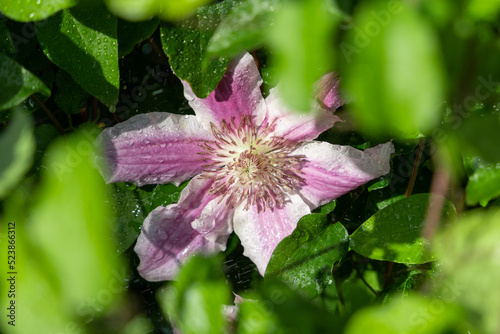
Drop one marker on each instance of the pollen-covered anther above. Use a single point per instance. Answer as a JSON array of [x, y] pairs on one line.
[[249, 166]]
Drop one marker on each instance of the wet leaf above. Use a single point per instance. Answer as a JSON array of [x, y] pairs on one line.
[[132, 205], [132, 33], [83, 42], [186, 46], [244, 28], [304, 260], [395, 232], [17, 83]]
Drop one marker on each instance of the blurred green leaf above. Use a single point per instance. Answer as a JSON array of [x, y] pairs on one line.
[[83, 42], [275, 308], [39, 301], [186, 45], [17, 83], [70, 97], [480, 134], [195, 301], [301, 40], [392, 69], [139, 325], [468, 257], [132, 205], [17, 145], [395, 232], [139, 10], [412, 315], [483, 9], [132, 33], [304, 260], [69, 272], [88, 260], [244, 28], [33, 10]]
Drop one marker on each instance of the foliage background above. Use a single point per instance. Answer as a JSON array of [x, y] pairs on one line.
[[415, 251]]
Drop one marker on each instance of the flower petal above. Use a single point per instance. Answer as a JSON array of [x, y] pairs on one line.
[[167, 239], [215, 222], [333, 170], [329, 95], [260, 233], [237, 93], [156, 147], [297, 126]]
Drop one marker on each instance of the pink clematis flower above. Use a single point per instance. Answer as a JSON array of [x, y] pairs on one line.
[[255, 169]]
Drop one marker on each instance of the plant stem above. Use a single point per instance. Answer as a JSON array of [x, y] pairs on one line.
[[414, 170], [362, 278], [48, 113]]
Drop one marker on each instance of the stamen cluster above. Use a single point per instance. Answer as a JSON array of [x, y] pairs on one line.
[[249, 165]]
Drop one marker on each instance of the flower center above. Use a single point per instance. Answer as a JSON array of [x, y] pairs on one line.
[[250, 166]]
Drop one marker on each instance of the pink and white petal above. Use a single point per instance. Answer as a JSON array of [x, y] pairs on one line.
[[293, 125], [156, 147], [237, 93], [167, 239], [215, 222], [260, 233], [333, 170], [328, 96]]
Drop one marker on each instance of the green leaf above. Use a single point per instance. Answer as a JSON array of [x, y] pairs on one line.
[[17, 145], [81, 255], [484, 183], [304, 260], [83, 42], [275, 308], [40, 300], [395, 232], [404, 285], [301, 40], [33, 10], [328, 208], [132, 205], [196, 299], [186, 46], [392, 69], [480, 134], [5, 39], [138, 10], [483, 10], [17, 83], [244, 28], [69, 96], [68, 268], [381, 182], [132, 33], [412, 315], [468, 257]]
